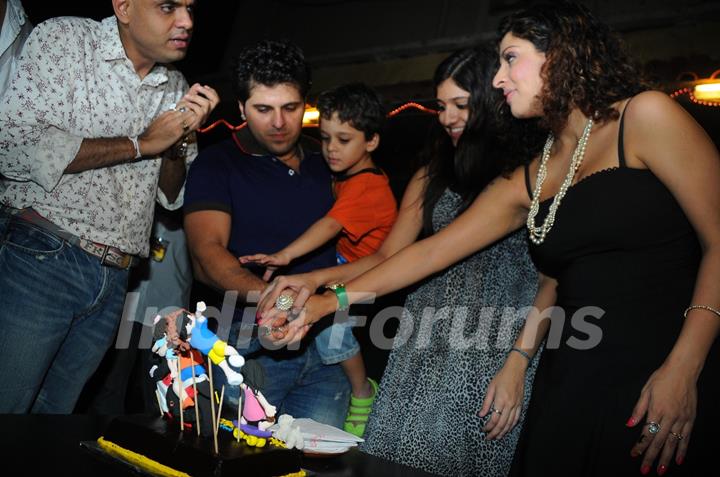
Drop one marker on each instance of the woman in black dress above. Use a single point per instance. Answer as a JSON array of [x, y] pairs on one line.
[[623, 216]]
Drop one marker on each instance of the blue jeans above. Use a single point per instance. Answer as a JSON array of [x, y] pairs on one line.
[[298, 383], [59, 311], [336, 343]]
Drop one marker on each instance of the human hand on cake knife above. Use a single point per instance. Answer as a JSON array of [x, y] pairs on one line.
[[292, 331], [274, 321]]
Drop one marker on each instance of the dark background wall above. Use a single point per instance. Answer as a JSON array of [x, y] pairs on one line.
[[394, 45]]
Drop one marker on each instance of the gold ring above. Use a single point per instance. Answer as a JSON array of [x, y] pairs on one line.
[[677, 436], [498, 412], [185, 126]]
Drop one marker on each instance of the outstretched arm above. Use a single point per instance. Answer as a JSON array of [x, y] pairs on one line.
[[500, 209], [497, 211], [317, 235], [405, 231]]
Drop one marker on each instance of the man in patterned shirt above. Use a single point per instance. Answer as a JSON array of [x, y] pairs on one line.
[[94, 128], [14, 30]]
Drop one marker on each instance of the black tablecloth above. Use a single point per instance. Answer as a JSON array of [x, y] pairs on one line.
[[50, 444]]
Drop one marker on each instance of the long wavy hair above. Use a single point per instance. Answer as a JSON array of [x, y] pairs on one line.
[[482, 152], [586, 64]]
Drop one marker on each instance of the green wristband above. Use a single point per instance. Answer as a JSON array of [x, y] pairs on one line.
[[339, 289]]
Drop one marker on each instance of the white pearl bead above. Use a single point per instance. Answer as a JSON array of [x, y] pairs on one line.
[[538, 234]]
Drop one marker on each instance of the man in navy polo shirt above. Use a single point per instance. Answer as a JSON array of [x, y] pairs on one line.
[[257, 192]]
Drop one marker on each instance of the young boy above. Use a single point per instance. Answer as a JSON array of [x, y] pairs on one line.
[[351, 118]]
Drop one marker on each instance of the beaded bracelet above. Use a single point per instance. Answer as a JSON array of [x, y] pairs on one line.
[[339, 289], [701, 307], [529, 358]]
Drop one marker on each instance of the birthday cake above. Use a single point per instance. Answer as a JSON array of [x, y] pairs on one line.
[[190, 436], [156, 446]]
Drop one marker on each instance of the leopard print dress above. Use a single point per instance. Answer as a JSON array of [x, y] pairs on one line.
[[455, 332]]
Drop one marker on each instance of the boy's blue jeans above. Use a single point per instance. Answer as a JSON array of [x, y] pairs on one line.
[[297, 383], [336, 343], [59, 311]]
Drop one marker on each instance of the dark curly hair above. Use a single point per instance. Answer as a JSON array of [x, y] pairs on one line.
[[485, 149], [354, 103], [586, 65], [270, 63]]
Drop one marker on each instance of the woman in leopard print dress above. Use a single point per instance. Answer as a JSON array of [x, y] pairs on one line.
[[425, 414], [458, 326]]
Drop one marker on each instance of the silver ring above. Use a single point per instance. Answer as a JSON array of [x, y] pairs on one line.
[[677, 436], [284, 302], [293, 315], [653, 427], [182, 109], [498, 412]]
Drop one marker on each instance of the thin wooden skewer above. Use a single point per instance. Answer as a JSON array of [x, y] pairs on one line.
[[212, 406], [197, 411]]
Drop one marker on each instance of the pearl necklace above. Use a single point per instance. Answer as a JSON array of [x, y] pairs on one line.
[[538, 234]]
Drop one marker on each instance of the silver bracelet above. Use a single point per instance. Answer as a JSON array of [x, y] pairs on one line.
[[701, 307], [134, 140], [529, 358]]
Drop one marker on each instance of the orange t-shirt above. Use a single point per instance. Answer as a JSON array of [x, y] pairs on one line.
[[366, 209]]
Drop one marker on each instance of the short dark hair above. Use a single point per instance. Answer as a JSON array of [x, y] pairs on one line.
[[270, 63], [354, 103]]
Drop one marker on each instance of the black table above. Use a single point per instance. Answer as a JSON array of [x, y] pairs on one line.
[[50, 444]]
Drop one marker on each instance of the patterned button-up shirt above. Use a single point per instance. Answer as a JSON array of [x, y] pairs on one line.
[[74, 81], [15, 30]]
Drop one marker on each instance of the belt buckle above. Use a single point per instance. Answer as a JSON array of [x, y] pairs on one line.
[[116, 260], [126, 261]]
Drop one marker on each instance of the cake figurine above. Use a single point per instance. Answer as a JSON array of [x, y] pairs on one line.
[[182, 385], [183, 349], [289, 433], [207, 342], [256, 411]]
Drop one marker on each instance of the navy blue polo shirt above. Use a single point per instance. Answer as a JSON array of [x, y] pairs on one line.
[[270, 204]]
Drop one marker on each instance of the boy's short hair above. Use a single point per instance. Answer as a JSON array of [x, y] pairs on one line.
[[354, 103], [270, 63]]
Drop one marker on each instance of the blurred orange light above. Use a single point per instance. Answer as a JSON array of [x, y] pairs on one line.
[[708, 91], [311, 117]]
